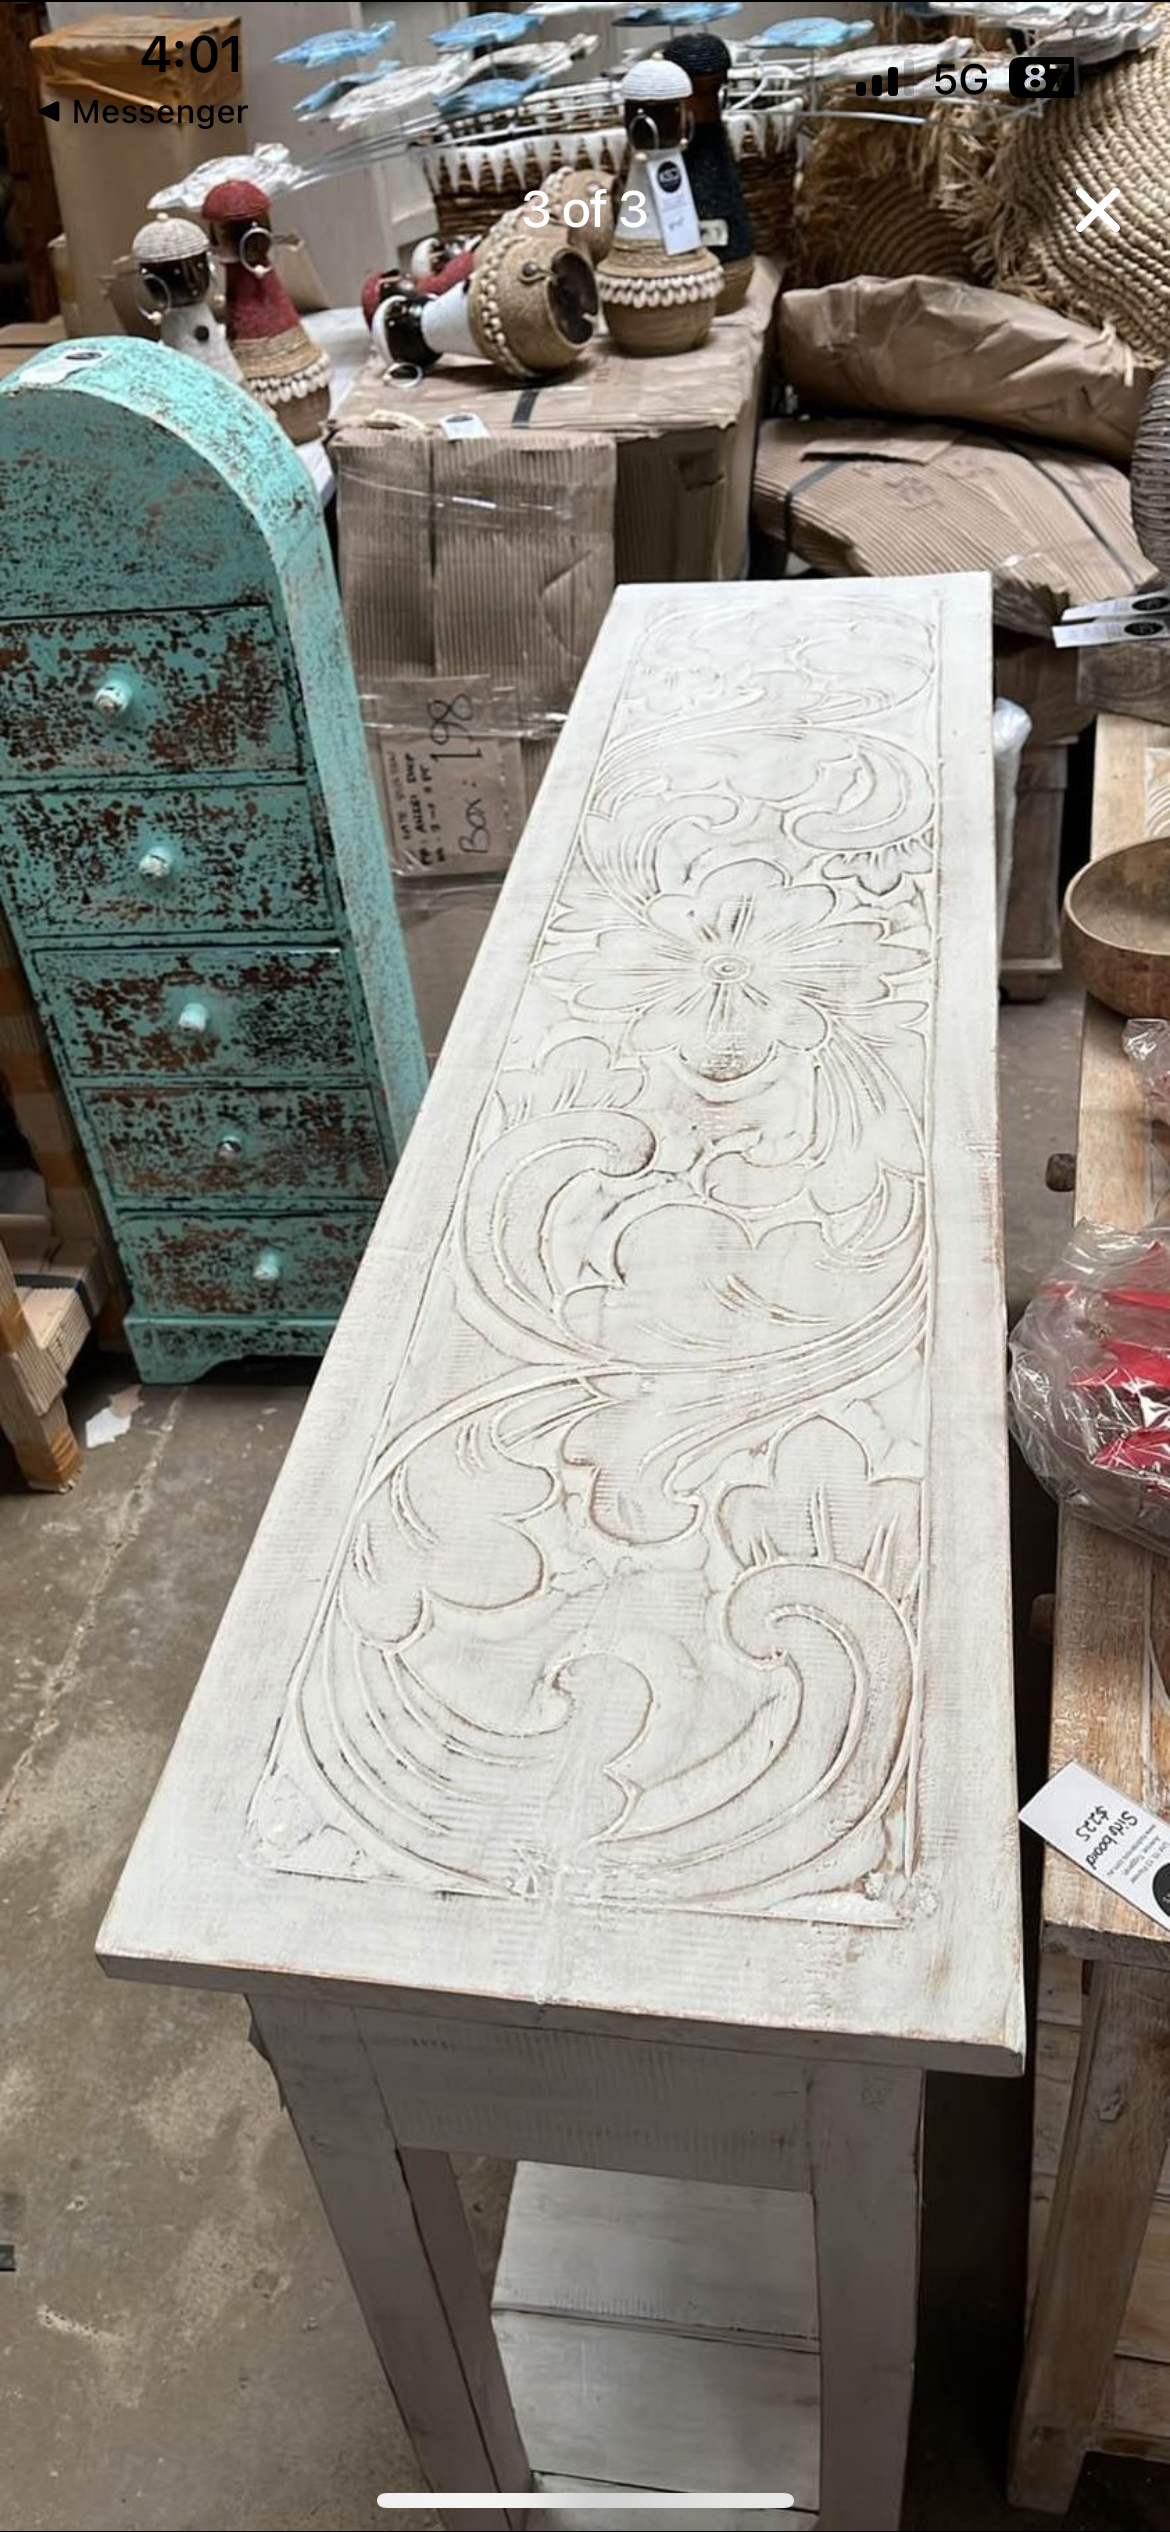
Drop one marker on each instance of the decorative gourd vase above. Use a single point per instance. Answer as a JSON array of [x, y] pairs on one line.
[[174, 276], [1149, 482], [529, 306], [569, 187], [724, 224], [656, 300], [279, 361]]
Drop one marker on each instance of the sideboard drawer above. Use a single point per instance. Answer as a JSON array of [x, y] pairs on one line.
[[215, 1266], [238, 1146], [263, 1015], [197, 690], [163, 861]]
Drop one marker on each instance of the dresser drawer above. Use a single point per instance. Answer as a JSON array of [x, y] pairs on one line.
[[206, 1265], [263, 1015], [196, 690], [158, 862], [238, 1147]]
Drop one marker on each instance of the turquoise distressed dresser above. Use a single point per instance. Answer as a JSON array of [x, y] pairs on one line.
[[191, 853]]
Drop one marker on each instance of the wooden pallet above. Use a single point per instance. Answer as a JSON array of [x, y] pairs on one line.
[[49, 1297], [28, 1078]]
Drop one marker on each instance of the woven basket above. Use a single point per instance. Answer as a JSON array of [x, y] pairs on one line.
[[290, 375], [869, 203], [1149, 484], [1012, 182], [474, 180], [765, 155], [511, 303], [655, 302]]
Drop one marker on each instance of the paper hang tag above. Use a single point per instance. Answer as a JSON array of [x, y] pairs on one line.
[[713, 233], [464, 426], [1115, 1839], [678, 220]]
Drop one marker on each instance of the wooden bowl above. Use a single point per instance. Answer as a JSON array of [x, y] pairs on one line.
[[1115, 933]]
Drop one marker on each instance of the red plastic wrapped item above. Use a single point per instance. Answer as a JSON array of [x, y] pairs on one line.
[[1147, 1044], [1089, 1388]]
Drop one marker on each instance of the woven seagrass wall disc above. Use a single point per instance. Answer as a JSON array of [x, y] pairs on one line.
[[867, 204], [1012, 181]]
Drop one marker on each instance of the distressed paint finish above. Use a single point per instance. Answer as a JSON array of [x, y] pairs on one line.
[[268, 1014], [193, 1266], [191, 691], [183, 1349], [607, 1751], [156, 863], [200, 1145], [638, 1632], [190, 848]]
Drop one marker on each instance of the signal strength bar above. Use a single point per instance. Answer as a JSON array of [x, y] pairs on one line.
[[879, 86]]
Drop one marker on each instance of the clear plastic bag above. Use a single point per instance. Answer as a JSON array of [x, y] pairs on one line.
[[1147, 1044], [1089, 1387]]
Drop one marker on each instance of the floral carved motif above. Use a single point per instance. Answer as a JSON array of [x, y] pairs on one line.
[[629, 1608]]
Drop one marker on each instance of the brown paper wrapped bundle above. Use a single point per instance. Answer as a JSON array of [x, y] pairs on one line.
[[928, 345]]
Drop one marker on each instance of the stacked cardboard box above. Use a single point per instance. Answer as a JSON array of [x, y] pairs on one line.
[[476, 571], [1051, 524]]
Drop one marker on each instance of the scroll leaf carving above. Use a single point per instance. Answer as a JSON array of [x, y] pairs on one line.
[[629, 1607]]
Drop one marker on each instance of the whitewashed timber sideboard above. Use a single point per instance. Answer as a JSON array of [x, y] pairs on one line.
[[606, 1758]]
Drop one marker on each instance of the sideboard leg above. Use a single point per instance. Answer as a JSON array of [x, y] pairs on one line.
[[1114, 2143], [864, 2131], [400, 2227]]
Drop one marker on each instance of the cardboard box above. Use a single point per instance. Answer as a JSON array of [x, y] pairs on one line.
[[475, 574], [1051, 525], [684, 429], [931, 346], [106, 171], [444, 929]]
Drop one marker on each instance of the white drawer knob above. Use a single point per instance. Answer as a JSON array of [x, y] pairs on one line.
[[268, 1268], [156, 864], [114, 695], [229, 1148], [194, 1019]]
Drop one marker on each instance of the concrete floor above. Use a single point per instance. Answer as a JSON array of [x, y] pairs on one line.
[[178, 2345]]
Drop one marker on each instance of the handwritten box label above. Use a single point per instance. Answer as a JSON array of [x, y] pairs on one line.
[[451, 780]]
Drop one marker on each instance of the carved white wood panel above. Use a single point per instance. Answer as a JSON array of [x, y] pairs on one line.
[[623, 1603], [627, 1605]]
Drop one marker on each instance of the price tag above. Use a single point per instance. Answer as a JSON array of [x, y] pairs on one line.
[[1115, 1839], [452, 788], [678, 220]]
